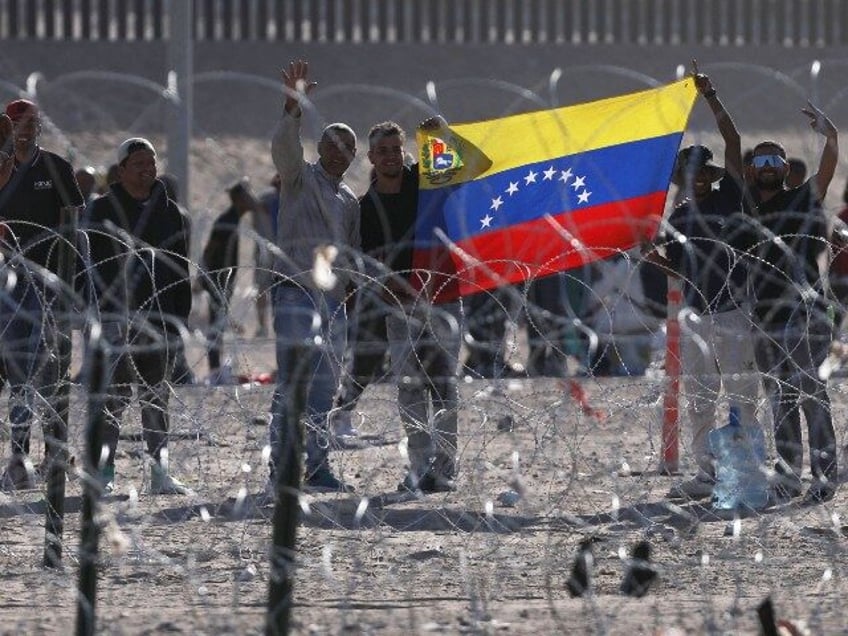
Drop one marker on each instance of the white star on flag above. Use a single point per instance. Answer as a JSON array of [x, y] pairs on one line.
[[580, 197]]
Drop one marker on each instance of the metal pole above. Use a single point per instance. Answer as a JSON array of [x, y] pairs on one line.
[[89, 530], [669, 463], [56, 438], [180, 74], [286, 506]]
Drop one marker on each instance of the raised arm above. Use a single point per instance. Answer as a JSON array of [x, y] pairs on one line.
[[830, 153], [286, 148], [726, 127], [296, 83]]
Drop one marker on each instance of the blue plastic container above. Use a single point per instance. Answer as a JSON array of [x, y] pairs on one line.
[[740, 455]]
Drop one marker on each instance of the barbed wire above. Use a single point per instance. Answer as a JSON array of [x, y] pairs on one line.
[[545, 461]]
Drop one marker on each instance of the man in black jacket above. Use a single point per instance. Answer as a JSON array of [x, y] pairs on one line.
[[787, 234], [424, 333], [139, 276], [219, 265], [39, 203]]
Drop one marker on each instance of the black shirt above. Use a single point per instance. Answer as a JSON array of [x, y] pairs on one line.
[[31, 204], [221, 254], [390, 225], [784, 238], [148, 274], [387, 223], [700, 250]]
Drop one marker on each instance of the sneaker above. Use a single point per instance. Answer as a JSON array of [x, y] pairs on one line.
[[18, 474], [106, 477], [820, 492], [323, 480], [341, 421], [699, 487], [162, 483], [438, 483], [427, 484], [785, 485]]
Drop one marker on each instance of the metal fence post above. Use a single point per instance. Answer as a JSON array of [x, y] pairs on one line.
[[181, 70]]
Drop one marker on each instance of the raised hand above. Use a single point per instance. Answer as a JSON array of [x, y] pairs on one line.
[[436, 122], [819, 121], [702, 81], [296, 81]]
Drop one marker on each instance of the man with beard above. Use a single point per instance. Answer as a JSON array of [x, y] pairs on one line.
[[424, 338], [139, 278], [318, 234], [716, 349], [39, 205], [785, 233]]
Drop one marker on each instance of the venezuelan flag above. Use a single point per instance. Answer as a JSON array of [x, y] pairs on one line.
[[528, 195]]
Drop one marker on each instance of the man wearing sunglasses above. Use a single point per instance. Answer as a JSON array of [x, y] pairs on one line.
[[787, 232], [716, 349]]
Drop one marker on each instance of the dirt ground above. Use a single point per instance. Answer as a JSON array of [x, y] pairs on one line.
[[463, 562], [453, 563]]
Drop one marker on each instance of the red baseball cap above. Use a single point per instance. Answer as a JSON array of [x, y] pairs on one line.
[[20, 108]]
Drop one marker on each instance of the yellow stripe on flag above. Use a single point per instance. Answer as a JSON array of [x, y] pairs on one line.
[[509, 142]]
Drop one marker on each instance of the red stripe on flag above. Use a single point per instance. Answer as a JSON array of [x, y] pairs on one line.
[[538, 248]]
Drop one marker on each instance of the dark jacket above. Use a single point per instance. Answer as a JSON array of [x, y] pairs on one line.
[[139, 258]]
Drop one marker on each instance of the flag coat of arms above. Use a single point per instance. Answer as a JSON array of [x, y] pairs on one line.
[[524, 196]]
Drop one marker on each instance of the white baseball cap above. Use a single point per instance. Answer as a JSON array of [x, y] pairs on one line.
[[134, 144]]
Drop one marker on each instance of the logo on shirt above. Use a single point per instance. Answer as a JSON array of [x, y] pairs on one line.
[[47, 184]]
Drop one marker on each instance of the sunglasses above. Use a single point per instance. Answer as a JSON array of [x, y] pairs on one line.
[[775, 161]]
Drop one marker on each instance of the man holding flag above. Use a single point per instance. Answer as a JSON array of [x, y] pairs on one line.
[[424, 332], [716, 343], [525, 196]]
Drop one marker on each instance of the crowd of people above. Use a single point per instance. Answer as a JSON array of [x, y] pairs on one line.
[[757, 308], [348, 301]]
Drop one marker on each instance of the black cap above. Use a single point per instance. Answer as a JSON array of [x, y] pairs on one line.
[[693, 158]]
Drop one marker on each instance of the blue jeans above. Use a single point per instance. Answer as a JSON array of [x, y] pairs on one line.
[[30, 364], [311, 330]]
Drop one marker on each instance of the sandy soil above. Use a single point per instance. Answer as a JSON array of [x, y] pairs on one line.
[[449, 563]]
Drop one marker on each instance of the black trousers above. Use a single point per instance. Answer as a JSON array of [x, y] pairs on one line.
[[789, 357], [144, 361]]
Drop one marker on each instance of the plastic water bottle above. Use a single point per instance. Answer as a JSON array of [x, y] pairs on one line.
[[740, 455]]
